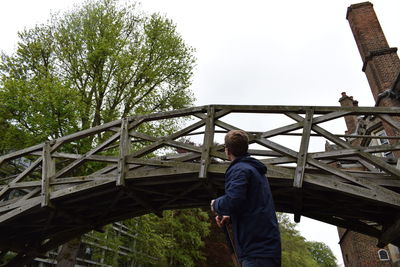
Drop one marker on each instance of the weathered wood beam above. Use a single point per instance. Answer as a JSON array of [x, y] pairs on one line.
[[13, 214], [172, 114], [182, 194], [303, 109], [140, 199], [351, 151], [390, 121], [395, 197], [124, 148], [48, 170], [99, 158], [17, 204], [353, 225], [301, 164], [207, 143], [381, 164], [21, 153], [337, 185]]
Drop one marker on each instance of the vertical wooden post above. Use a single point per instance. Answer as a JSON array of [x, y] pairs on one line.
[[301, 164], [48, 170], [124, 148], [207, 143]]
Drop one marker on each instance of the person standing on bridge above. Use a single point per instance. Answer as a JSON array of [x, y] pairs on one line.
[[249, 206]]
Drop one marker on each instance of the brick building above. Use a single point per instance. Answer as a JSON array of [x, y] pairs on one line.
[[381, 65]]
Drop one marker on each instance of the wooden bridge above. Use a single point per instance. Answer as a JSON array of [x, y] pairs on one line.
[[52, 192]]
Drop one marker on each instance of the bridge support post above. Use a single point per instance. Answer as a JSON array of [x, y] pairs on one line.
[[301, 164], [48, 170], [207, 143], [124, 148]]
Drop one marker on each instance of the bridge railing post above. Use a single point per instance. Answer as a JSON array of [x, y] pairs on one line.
[[207, 143], [48, 170], [301, 163], [124, 148]]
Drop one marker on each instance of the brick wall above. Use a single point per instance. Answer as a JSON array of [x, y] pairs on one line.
[[381, 63], [360, 250]]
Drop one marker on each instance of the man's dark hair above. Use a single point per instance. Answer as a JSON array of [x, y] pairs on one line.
[[237, 142]]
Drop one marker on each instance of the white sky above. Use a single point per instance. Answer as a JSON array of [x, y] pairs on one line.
[[255, 52]]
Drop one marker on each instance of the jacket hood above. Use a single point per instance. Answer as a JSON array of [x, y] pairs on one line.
[[260, 167]]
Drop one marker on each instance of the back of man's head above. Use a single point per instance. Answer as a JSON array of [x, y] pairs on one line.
[[237, 142]]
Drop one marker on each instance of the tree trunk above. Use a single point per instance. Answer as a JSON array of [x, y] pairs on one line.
[[69, 251]]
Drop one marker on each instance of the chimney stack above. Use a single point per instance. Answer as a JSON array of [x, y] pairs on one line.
[[351, 120], [381, 63]]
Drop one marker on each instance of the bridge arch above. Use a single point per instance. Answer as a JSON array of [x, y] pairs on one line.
[[49, 194]]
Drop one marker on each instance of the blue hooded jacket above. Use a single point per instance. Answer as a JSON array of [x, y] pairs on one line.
[[248, 201]]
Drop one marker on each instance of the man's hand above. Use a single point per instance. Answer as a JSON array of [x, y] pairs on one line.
[[222, 220], [212, 206]]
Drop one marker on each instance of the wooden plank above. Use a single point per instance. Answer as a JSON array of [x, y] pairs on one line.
[[346, 152], [277, 147], [282, 130], [18, 211], [301, 164], [302, 155], [377, 161], [207, 143], [356, 226], [390, 121], [330, 116], [373, 190], [182, 194], [303, 109], [172, 114], [181, 169], [81, 187], [124, 148], [88, 132], [139, 198], [21, 152], [185, 146], [48, 170], [99, 158], [19, 203]]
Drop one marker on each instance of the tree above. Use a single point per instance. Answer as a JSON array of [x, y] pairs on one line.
[[322, 254], [187, 228], [295, 252], [94, 64]]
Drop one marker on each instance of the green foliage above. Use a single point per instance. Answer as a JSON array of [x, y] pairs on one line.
[[186, 228], [94, 64], [174, 240], [295, 251], [322, 254], [99, 62]]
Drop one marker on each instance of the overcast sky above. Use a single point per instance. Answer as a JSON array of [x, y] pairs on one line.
[[255, 52]]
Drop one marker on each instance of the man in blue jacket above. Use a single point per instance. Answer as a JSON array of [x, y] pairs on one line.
[[249, 206]]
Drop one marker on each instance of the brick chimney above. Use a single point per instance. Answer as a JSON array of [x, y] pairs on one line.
[[351, 120], [381, 63]]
